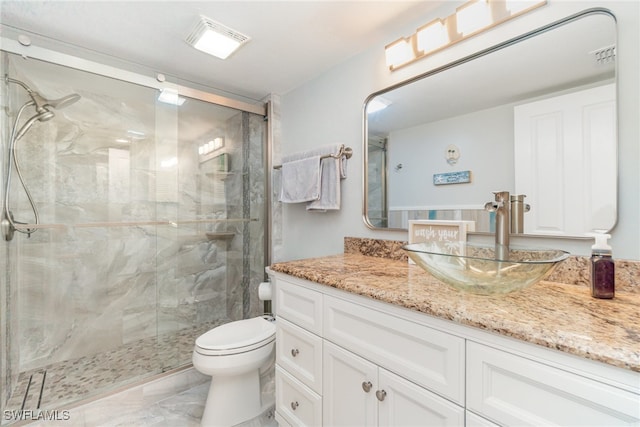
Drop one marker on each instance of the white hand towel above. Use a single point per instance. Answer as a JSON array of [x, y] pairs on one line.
[[301, 180], [329, 187], [333, 170]]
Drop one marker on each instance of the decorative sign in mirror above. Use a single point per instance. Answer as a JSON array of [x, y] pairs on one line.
[[535, 116]]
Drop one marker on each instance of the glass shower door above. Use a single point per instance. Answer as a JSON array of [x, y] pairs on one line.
[[146, 238]]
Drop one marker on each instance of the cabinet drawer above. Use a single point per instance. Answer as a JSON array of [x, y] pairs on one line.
[[299, 305], [513, 390], [295, 402], [428, 357], [300, 353]]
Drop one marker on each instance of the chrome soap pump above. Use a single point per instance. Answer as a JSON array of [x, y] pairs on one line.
[[602, 268]]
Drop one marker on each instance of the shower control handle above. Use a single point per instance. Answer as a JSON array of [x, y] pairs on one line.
[[294, 405], [295, 352], [366, 386]]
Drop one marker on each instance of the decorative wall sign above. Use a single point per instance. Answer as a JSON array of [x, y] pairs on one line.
[[426, 230], [461, 177]]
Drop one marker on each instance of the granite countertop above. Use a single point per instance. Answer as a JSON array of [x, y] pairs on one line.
[[555, 315]]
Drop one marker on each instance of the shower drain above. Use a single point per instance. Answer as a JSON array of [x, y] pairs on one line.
[[33, 393]]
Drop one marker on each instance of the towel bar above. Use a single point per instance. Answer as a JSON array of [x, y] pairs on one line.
[[344, 151]]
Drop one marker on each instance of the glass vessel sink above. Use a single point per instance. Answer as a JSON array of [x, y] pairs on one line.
[[474, 268]]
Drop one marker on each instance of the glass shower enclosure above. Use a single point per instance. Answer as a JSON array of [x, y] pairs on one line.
[[150, 231]]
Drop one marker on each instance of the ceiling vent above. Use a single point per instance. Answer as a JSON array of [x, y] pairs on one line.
[[604, 55], [214, 38]]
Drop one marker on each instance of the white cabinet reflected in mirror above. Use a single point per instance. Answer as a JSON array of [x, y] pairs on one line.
[[535, 115]]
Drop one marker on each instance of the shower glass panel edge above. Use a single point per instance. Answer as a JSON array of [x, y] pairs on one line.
[[165, 247]]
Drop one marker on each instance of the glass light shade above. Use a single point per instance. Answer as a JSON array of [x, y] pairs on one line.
[[473, 16], [432, 36], [399, 53], [517, 6], [216, 44]]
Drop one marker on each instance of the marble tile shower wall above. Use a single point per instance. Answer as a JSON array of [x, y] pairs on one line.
[[104, 274]]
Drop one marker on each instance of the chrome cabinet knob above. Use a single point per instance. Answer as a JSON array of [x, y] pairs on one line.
[[366, 386], [294, 352], [381, 394], [294, 405]]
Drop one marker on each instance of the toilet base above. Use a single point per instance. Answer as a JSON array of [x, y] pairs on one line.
[[232, 400]]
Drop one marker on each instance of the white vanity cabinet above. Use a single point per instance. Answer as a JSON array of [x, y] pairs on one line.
[[362, 367], [359, 393], [298, 379], [517, 390], [347, 360]]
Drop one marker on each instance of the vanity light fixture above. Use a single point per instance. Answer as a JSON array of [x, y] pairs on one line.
[[470, 19], [214, 38], [209, 147], [432, 36]]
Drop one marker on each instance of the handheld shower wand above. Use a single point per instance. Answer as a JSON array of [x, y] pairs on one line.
[[43, 113]]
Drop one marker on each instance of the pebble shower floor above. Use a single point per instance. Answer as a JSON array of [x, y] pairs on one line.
[[60, 384]]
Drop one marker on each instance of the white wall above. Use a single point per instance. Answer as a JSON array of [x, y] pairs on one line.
[[329, 109], [485, 142]]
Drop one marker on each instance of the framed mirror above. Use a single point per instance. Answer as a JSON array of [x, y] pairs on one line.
[[535, 116]]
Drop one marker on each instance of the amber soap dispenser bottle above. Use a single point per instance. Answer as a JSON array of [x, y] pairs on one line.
[[602, 268]]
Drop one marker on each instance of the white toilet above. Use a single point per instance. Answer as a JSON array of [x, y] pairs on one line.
[[234, 354]]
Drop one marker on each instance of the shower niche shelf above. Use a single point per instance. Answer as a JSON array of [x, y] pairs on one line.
[[224, 235]]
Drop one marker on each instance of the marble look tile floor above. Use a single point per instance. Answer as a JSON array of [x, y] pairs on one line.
[[176, 400]]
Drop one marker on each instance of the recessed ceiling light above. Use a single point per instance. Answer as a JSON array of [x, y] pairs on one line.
[[214, 38]]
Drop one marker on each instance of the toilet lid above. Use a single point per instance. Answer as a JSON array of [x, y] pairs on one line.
[[237, 335]]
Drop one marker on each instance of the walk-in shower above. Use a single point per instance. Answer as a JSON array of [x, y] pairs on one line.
[[43, 113], [144, 239]]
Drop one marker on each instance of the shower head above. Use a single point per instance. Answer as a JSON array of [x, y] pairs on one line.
[[41, 103]]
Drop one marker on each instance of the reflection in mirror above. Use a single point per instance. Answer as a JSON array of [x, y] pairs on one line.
[[534, 116]]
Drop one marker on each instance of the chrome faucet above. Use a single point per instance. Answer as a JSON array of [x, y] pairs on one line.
[[502, 208]]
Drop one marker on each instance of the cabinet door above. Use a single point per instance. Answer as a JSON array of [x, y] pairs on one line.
[[406, 404], [513, 390], [348, 399]]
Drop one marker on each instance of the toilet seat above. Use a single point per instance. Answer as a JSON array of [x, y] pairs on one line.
[[236, 337]]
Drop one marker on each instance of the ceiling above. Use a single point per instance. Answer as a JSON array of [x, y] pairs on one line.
[[291, 42]]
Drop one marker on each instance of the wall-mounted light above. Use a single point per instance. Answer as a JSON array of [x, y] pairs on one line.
[[470, 19], [473, 17], [432, 36]]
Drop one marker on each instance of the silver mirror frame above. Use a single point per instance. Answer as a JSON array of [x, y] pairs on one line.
[[453, 64]]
